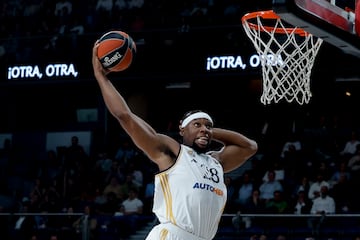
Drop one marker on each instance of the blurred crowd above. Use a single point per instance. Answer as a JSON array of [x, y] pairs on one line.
[[313, 171], [43, 29], [113, 190]]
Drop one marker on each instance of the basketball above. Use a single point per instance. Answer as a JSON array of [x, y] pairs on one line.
[[116, 51]]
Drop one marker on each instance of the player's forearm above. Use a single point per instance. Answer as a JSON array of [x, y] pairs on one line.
[[139, 131], [115, 103], [237, 148], [228, 137]]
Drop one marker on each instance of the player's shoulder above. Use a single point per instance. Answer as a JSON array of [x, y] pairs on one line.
[[216, 154]]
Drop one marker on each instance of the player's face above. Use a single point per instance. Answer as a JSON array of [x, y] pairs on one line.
[[197, 134]]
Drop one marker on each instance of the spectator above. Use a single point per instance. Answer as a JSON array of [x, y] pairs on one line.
[[104, 6], [117, 171], [148, 196], [103, 165], [54, 236], [268, 188], [63, 7], [136, 172], [315, 187], [281, 237], [72, 189], [325, 168], [257, 171], [277, 204], [263, 237], [99, 196], [66, 224], [245, 191], [341, 171], [108, 208], [133, 205], [135, 4], [38, 188], [23, 226], [230, 193], [77, 29], [341, 191], [303, 185], [34, 237], [253, 205], [133, 209], [301, 205], [51, 203], [51, 167], [115, 187], [350, 145], [121, 5], [103, 15], [75, 155], [322, 206], [354, 166], [91, 221], [279, 172], [291, 146], [128, 184], [125, 153]]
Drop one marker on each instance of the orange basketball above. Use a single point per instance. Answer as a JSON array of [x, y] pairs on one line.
[[116, 51]]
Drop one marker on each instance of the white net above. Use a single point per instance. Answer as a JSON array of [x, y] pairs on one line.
[[287, 57]]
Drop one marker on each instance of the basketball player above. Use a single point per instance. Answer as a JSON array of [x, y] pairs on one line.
[[190, 194]]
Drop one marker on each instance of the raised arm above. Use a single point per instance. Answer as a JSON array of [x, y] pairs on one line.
[[159, 148], [237, 148]]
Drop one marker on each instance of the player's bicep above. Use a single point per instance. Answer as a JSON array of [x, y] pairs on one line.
[[141, 133], [232, 157], [164, 151]]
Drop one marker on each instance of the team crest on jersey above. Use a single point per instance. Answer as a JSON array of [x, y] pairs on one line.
[[190, 152]]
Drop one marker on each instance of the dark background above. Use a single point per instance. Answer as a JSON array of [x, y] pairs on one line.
[[166, 56]]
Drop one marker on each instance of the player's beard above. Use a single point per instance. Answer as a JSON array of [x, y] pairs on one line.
[[200, 149]]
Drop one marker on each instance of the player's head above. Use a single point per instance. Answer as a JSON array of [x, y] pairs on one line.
[[196, 130]]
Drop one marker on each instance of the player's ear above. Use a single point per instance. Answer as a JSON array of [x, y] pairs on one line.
[[181, 131]]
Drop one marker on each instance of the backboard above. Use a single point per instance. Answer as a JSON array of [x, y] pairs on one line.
[[335, 21]]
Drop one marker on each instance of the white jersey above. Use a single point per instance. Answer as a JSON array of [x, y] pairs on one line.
[[189, 198]]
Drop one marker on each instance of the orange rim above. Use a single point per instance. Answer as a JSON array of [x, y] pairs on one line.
[[270, 14]]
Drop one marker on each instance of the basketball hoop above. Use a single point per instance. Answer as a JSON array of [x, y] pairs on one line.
[[287, 55]]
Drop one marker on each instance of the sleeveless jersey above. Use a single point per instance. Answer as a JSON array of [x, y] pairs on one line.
[[191, 196]]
